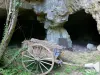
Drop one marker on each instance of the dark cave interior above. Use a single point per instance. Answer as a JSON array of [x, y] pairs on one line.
[[81, 27], [28, 27]]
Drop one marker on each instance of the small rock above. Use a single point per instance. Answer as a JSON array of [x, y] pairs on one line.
[[91, 46], [95, 66], [98, 47]]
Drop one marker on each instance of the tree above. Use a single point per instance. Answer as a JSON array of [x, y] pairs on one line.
[[10, 25]]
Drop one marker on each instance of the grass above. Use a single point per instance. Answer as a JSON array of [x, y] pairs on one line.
[[67, 70], [16, 67], [14, 71], [73, 70]]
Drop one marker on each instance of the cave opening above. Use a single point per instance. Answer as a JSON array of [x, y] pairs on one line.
[[2, 26], [28, 27], [3, 16], [82, 28]]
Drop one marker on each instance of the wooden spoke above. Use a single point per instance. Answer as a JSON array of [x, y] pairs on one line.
[[44, 66], [45, 62], [48, 59], [40, 68], [31, 54], [30, 64], [40, 48], [33, 66], [28, 60], [37, 68], [28, 56], [40, 52]]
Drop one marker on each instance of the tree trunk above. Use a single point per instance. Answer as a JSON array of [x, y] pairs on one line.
[[10, 26]]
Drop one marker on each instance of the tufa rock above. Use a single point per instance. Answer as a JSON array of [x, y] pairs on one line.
[[91, 46], [98, 47]]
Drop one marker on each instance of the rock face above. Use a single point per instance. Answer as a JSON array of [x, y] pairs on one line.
[[91, 47], [98, 47], [58, 10], [54, 34], [90, 6], [54, 13], [55, 10]]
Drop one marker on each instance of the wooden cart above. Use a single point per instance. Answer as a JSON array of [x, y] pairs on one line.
[[40, 56]]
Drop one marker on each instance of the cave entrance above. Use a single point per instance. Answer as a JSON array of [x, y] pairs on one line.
[[27, 27], [3, 16], [82, 28]]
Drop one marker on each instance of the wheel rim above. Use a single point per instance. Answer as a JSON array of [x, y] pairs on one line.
[[39, 60]]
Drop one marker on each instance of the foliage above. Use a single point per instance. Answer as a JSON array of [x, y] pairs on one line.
[[16, 67], [72, 70], [19, 70], [17, 3], [89, 72], [14, 71]]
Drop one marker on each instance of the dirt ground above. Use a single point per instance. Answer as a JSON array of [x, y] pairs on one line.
[[81, 56]]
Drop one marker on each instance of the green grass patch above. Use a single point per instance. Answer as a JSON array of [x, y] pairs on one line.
[[14, 71], [16, 68]]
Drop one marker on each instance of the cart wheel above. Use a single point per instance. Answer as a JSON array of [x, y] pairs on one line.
[[38, 60]]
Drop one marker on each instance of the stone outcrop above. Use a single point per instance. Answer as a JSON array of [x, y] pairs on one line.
[[57, 11], [53, 35], [54, 13], [90, 6]]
